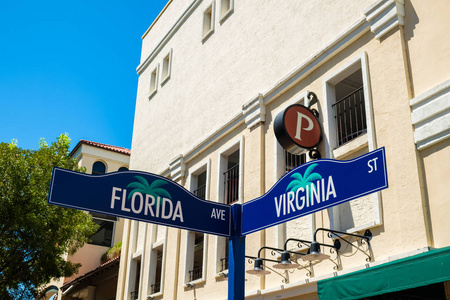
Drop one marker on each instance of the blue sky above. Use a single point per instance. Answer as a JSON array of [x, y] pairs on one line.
[[70, 66]]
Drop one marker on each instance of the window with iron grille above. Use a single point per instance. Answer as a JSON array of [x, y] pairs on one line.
[[224, 263], [200, 191], [156, 268], [231, 177], [349, 108], [196, 272], [292, 161], [155, 287]]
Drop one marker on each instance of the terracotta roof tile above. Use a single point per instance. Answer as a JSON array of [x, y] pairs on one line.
[[100, 269], [103, 146]]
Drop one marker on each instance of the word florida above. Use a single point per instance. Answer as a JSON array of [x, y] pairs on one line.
[[305, 197], [158, 207]]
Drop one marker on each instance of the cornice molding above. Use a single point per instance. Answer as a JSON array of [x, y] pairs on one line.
[[177, 168], [254, 111], [385, 15]]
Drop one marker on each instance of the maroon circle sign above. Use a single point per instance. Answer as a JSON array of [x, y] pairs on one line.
[[297, 129]]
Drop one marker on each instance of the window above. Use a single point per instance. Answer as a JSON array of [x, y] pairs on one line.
[[123, 169], [291, 161], [155, 263], [137, 278], [98, 168], [208, 22], [226, 8], [349, 109], [195, 258], [231, 177], [153, 81], [223, 261], [231, 162], [156, 270], [200, 191], [347, 114], [196, 242], [166, 67], [105, 233], [135, 258]]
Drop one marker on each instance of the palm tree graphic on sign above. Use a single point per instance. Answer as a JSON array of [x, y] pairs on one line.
[[155, 188], [302, 181]]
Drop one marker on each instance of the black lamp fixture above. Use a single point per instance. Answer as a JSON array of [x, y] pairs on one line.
[[258, 269], [313, 256], [286, 262], [314, 251]]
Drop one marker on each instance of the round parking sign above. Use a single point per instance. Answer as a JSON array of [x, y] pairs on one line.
[[297, 129]]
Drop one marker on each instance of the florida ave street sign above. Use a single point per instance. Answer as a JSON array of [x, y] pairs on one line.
[[315, 186], [140, 196]]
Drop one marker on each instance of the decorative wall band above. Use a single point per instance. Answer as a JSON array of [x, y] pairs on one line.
[[431, 116]]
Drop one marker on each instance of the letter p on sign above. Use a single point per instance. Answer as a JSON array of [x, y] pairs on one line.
[[297, 129]]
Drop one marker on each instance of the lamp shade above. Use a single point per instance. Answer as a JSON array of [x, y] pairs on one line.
[[314, 253], [285, 262], [258, 269]]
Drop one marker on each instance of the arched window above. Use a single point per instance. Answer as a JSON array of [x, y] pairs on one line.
[[123, 169], [98, 168]]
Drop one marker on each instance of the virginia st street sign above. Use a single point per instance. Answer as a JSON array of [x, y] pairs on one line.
[[315, 186], [140, 196]]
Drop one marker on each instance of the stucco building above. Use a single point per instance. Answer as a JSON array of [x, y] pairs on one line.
[[97, 276], [214, 75]]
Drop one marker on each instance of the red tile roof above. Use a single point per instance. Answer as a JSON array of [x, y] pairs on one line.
[[102, 268], [100, 145]]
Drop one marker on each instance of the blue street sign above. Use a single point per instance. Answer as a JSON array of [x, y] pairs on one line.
[[315, 186], [140, 196]]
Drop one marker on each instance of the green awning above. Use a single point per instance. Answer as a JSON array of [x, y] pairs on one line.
[[406, 273]]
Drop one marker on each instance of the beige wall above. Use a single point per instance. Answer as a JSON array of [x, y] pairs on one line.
[[228, 89], [256, 56], [428, 45], [436, 168], [429, 51]]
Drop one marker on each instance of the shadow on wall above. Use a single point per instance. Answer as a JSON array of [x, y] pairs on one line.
[[411, 20]]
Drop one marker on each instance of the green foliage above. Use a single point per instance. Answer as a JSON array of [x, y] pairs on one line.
[[112, 253], [35, 236]]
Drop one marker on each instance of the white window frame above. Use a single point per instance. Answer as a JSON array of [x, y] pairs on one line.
[[228, 149], [133, 256], [223, 161], [210, 10], [224, 14], [204, 166], [151, 262], [153, 88], [366, 140], [166, 67], [189, 257], [279, 171]]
